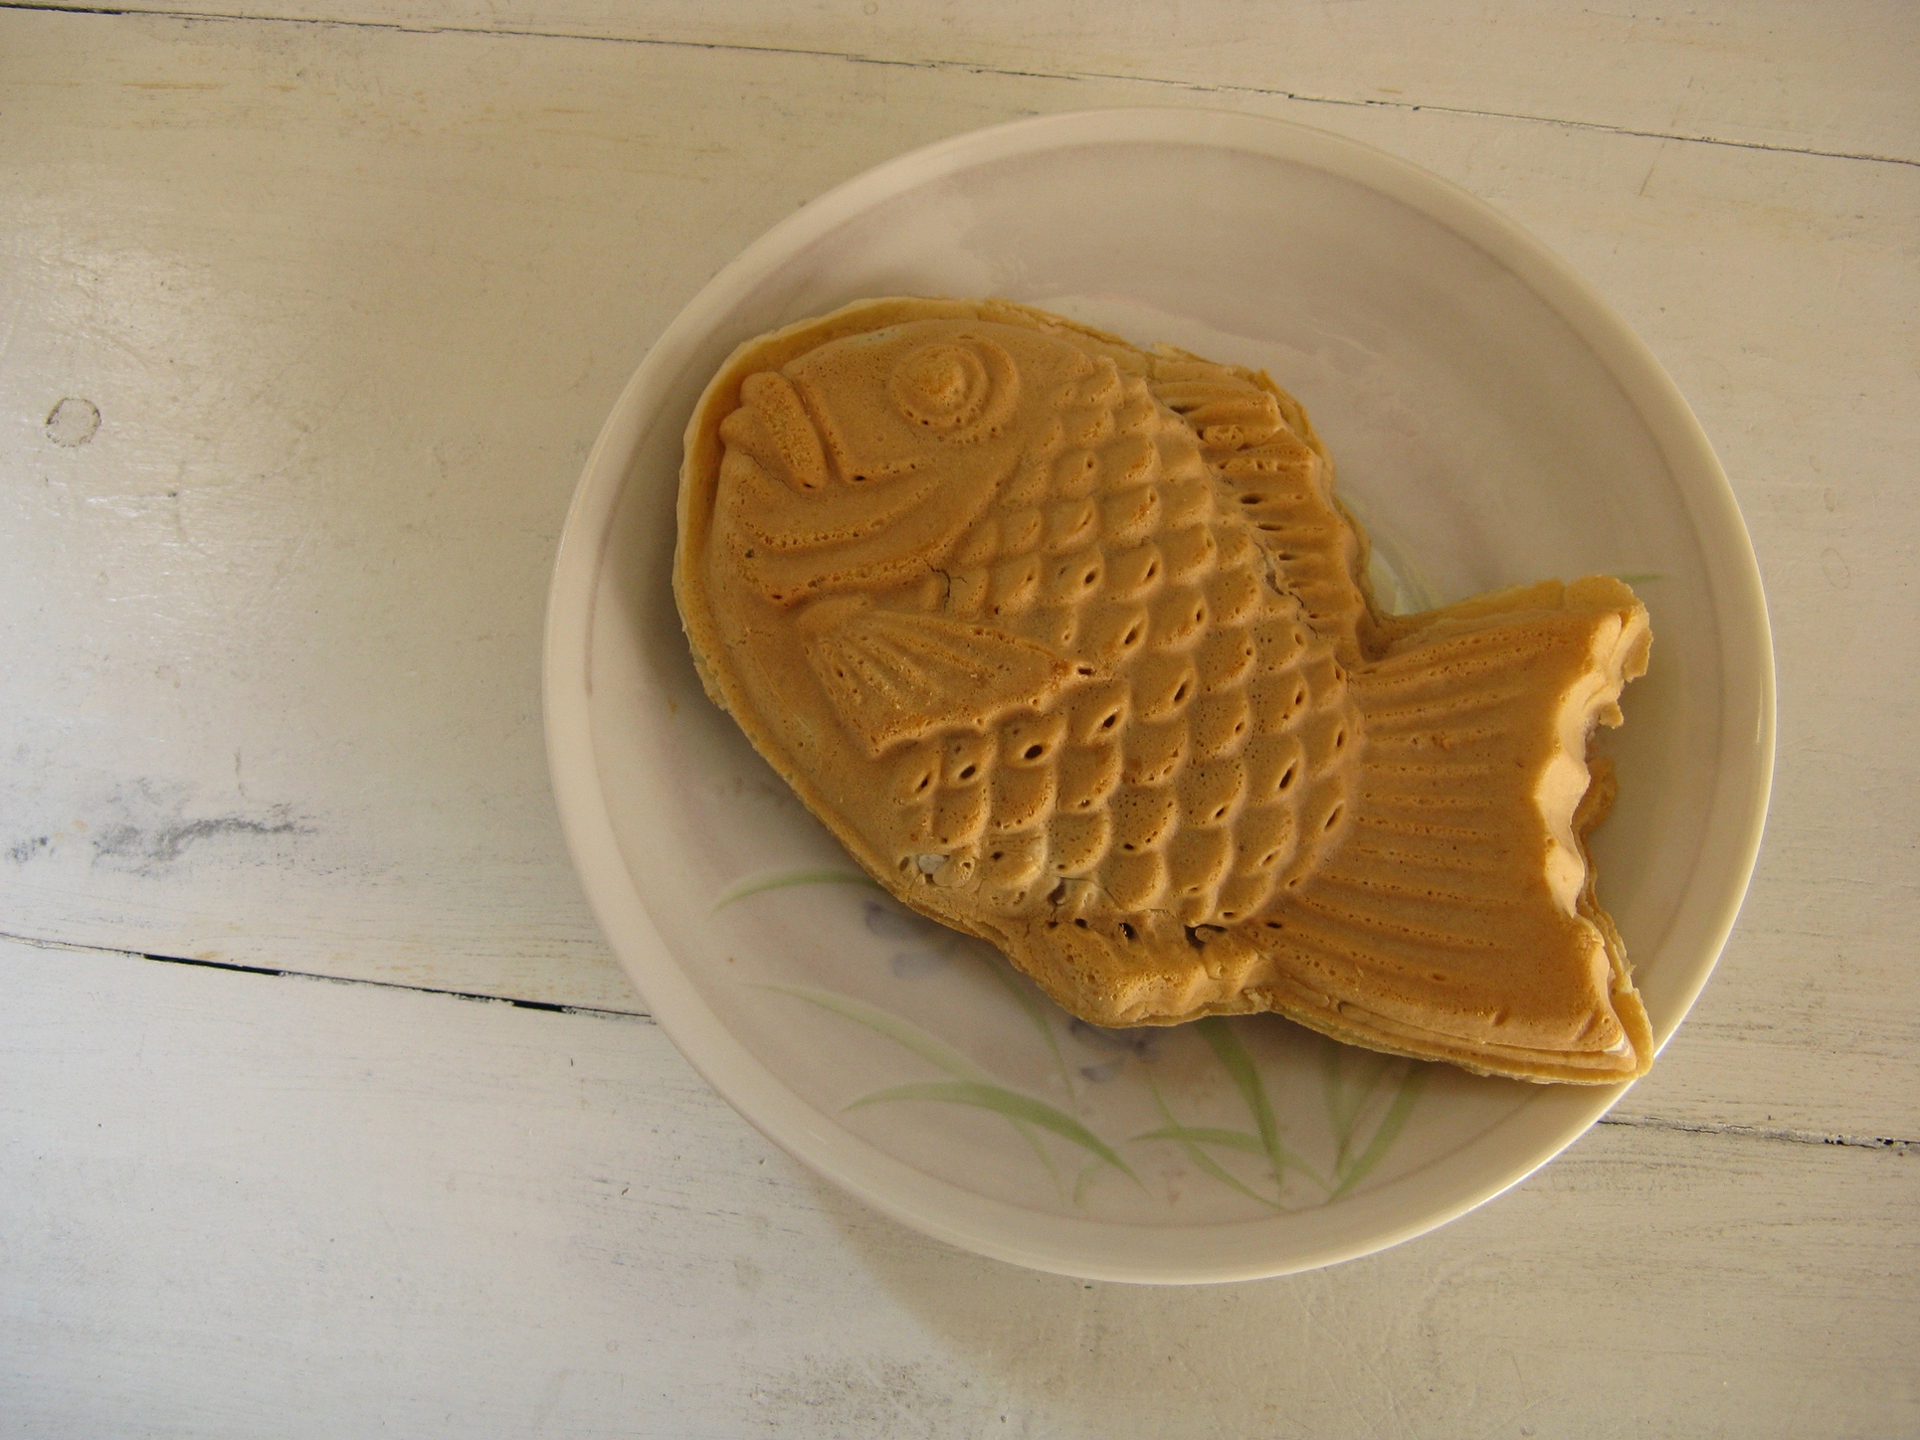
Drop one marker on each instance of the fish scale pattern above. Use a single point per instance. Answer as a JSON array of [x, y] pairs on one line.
[[1199, 768]]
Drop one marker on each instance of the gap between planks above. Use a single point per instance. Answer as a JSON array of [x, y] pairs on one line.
[[1898, 1145], [272, 972], [973, 67]]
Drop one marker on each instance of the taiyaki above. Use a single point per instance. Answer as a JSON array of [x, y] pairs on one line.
[[1071, 645]]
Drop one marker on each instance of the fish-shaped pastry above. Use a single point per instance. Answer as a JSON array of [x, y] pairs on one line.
[[1070, 644]]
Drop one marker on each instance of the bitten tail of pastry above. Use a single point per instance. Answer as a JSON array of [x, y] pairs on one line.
[[1456, 918]]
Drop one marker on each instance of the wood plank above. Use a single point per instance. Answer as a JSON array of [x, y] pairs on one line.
[[275, 1206], [1836, 78], [272, 631]]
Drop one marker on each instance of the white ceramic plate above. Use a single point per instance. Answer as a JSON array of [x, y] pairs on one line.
[[1491, 421]]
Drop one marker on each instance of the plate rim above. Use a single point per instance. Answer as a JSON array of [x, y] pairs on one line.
[[1086, 1248]]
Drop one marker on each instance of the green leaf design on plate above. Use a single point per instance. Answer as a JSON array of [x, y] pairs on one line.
[[781, 879], [1036, 1011], [1207, 1135], [1002, 1101], [1232, 1140], [1356, 1086], [1348, 1079], [928, 1047], [1087, 1172], [1245, 1074], [1353, 1084], [1387, 1131], [1188, 1141], [1024, 1111]]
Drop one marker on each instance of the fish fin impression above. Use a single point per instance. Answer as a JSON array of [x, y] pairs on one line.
[[892, 675]]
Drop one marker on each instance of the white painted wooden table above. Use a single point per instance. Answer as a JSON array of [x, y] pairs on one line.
[[307, 318]]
